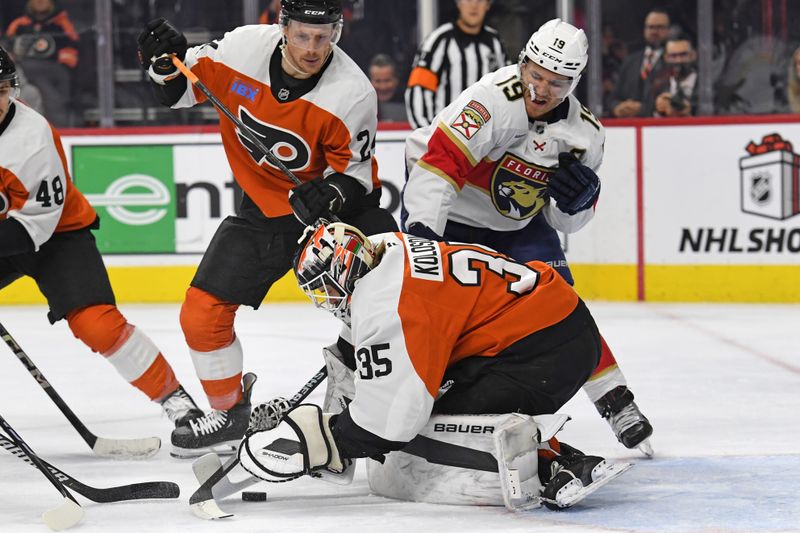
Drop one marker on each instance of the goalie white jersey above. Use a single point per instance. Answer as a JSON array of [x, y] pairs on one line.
[[484, 163]]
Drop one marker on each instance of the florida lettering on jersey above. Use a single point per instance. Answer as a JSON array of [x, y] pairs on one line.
[[483, 163], [409, 328], [313, 128], [35, 187]]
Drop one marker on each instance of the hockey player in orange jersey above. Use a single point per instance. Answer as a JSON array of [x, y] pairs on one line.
[[505, 337], [45, 233], [314, 108]]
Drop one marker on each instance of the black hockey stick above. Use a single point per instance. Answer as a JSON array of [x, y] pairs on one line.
[[69, 512], [134, 491], [115, 448], [244, 130], [202, 501]]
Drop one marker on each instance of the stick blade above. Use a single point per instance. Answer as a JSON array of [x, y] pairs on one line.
[[208, 510], [64, 516], [127, 448]]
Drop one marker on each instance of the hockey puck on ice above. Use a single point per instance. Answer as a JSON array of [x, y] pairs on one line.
[[254, 496]]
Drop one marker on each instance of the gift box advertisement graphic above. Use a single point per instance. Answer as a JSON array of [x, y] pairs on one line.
[[770, 178]]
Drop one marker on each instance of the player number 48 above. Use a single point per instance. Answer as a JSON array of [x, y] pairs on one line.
[[48, 194]]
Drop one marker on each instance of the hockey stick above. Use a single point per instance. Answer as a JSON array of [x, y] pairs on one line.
[[114, 448], [244, 130], [202, 502], [69, 512], [134, 491]]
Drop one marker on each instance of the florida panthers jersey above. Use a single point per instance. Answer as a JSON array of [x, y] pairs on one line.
[[484, 163], [322, 125], [426, 306], [35, 187]]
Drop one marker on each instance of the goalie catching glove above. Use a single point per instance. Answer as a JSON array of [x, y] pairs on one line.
[[300, 445], [574, 186]]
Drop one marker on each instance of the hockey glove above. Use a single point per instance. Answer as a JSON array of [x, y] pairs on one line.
[[315, 199], [574, 186], [301, 444], [421, 230], [158, 38]]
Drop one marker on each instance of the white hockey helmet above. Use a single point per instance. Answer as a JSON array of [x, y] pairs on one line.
[[559, 47]]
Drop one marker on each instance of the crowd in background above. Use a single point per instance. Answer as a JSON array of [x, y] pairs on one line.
[[649, 58]]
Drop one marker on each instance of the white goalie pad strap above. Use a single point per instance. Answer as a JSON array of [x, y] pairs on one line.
[[341, 381], [300, 444]]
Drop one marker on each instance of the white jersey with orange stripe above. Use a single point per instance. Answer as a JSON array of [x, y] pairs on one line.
[[35, 187], [428, 305], [325, 124], [484, 163]]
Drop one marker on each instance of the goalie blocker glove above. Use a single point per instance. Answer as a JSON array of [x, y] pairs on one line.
[[157, 39], [324, 197], [574, 186]]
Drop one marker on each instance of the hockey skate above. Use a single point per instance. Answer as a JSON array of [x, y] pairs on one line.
[[574, 475], [630, 426], [180, 407], [217, 431]]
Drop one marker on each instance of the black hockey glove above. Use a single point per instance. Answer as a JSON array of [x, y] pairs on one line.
[[574, 186], [158, 38], [325, 197], [421, 230]]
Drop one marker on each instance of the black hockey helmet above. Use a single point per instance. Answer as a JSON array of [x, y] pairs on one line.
[[8, 70], [311, 11]]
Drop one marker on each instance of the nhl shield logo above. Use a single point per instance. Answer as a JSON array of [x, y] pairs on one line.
[[283, 94], [760, 190], [518, 188]]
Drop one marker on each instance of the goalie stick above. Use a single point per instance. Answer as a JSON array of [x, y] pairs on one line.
[[69, 512], [114, 448], [135, 491], [213, 475]]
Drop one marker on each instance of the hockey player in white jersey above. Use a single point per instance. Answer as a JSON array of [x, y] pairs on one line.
[[509, 337], [509, 162]]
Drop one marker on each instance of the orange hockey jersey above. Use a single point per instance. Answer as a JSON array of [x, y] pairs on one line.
[[430, 304], [35, 187], [325, 124]]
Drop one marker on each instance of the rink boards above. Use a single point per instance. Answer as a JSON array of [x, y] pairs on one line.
[[700, 211]]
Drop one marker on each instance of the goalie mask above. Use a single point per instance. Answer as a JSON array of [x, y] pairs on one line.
[[560, 48], [330, 262]]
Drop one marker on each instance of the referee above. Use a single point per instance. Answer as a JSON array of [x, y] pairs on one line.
[[452, 58]]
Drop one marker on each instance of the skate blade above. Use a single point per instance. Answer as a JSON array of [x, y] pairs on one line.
[[646, 448], [223, 448], [574, 491]]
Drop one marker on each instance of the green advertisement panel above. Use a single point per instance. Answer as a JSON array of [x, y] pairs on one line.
[[133, 190]]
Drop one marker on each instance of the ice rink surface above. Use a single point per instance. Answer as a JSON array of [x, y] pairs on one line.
[[720, 383]]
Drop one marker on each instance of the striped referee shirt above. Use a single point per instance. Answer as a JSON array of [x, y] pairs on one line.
[[448, 62]]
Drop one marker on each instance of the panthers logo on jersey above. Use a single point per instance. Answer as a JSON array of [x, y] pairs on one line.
[[519, 188]]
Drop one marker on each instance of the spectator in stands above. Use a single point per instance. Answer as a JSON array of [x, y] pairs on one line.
[[629, 92], [793, 86], [44, 43], [674, 94], [453, 57], [383, 76], [270, 14]]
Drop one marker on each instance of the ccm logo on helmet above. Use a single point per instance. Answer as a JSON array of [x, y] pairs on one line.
[[462, 428], [313, 12]]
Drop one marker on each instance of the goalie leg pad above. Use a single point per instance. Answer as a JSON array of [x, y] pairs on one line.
[[301, 444], [511, 438]]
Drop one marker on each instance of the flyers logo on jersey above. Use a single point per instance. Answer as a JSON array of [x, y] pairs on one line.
[[472, 118], [286, 145], [519, 188]]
